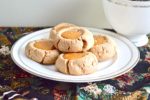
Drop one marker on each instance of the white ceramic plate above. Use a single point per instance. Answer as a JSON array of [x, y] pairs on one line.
[[127, 57]]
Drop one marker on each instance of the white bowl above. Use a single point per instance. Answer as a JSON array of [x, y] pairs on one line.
[[129, 18]]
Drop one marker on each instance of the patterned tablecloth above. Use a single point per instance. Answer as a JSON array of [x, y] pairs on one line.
[[16, 84]]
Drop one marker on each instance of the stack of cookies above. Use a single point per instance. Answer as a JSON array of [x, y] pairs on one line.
[[73, 49]]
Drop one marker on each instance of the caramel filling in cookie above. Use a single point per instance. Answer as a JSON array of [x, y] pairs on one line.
[[100, 40], [72, 34], [72, 56], [44, 45]]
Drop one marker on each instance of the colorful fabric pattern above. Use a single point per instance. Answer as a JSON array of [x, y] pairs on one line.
[[16, 84]]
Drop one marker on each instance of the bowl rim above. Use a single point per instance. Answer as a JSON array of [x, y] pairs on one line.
[[129, 3]]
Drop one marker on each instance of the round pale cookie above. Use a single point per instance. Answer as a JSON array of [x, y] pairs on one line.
[[104, 47], [42, 51], [73, 39], [57, 28], [77, 63]]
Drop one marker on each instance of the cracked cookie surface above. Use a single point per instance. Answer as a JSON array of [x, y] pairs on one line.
[[104, 47], [42, 51], [72, 39], [77, 63]]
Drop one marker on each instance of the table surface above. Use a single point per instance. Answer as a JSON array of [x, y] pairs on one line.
[[18, 84]]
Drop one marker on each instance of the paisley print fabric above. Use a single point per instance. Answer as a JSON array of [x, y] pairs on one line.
[[16, 84]]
